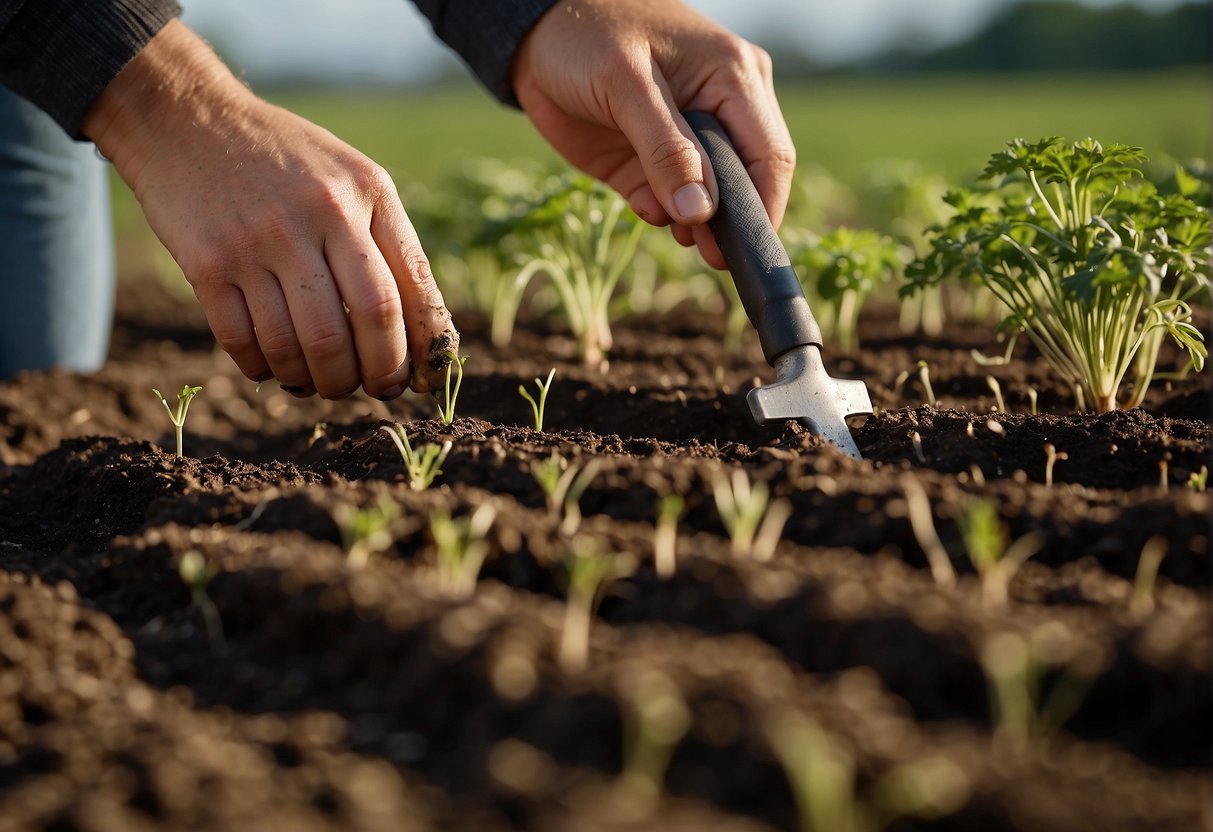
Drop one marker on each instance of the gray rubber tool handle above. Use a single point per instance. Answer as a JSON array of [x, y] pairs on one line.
[[769, 289]]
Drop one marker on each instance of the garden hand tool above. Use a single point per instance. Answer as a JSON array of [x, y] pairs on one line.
[[775, 303]]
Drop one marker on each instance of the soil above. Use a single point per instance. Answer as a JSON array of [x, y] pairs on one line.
[[298, 690]]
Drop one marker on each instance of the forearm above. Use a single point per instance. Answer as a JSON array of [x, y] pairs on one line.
[[486, 34], [60, 54]]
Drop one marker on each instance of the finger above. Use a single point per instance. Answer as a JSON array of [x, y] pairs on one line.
[[683, 234], [321, 325], [757, 128], [426, 319], [674, 164], [229, 319], [276, 333], [376, 316], [708, 248]]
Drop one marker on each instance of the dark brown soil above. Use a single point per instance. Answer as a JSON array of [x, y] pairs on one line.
[[339, 696]]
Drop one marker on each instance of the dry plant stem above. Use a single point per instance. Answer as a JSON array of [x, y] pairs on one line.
[[1141, 603], [918, 505], [1032, 400]]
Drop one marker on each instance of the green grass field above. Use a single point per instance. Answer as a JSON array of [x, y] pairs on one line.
[[951, 124]]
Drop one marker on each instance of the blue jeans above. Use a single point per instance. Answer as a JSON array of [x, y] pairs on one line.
[[56, 245]]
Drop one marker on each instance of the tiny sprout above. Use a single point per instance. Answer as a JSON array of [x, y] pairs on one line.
[[922, 522], [899, 383], [656, 718], [589, 572], [183, 405], [996, 562], [1141, 603], [423, 464], [318, 432], [924, 375], [665, 535], [997, 389], [461, 546], [1051, 457], [1164, 472], [916, 439], [1032, 401], [196, 574], [537, 406], [1199, 480], [563, 483], [753, 520], [446, 408], [367, 531]]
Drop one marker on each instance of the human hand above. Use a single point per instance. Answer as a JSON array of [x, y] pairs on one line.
[[605, 82], [279, 226]]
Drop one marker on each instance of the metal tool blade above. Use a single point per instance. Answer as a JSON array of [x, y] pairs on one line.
[[803, 391]]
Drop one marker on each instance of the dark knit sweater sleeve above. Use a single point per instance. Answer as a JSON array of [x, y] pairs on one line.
[[60, 54], [486, 34]]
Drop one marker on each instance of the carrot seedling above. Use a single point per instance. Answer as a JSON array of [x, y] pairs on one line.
[[183, 405], [753, 520], [656, 718], [563, 483], [537, 405], [996, 561], [589, 572], [446, 408], [423, 464], [461, 545], [924, 375], [196, 573], [368, 531]]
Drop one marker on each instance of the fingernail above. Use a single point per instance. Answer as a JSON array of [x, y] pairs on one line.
[[692, 201], [391, 393]]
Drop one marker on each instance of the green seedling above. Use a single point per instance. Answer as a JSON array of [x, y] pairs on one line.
[[183, 405], [563, 483], [422, 465], [368, 531], [461, 545], [318, 432], [590, 571], [582, 237], [996, 562], [924, 375], [1087, 258], [665, 534], [1141, 603], [537, 405], [922, 522], [446, 408], [1017, 668], [1198, 481], [656, 718], [753, 520], [196, 573], [822, 774]]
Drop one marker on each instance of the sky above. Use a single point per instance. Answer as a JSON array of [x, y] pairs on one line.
[[388, 41]]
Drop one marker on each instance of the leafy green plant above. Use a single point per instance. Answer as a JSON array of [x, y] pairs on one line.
[[461, 545], [996, 561], [537, 405], [422, 464], [196, 573], [183, 405], [1087, 258], [823, 777], [446, 407], [753, 520], [582, 237], [839, 270]]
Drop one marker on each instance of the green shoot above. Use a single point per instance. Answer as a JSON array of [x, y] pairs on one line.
[[922, 522], [753, 520], [423, 464], [1087, 258], [367, 531], [924, 375], [563, 483], [1016, 669], [985, 540], [1052, 456], [589, 571], [656, 718], [1141, 603], [446, 408], [537, 406], [822, 774], [196, 573], [1198, 481], [665, 535], [996, 389], [462, 545], [183, 405]]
